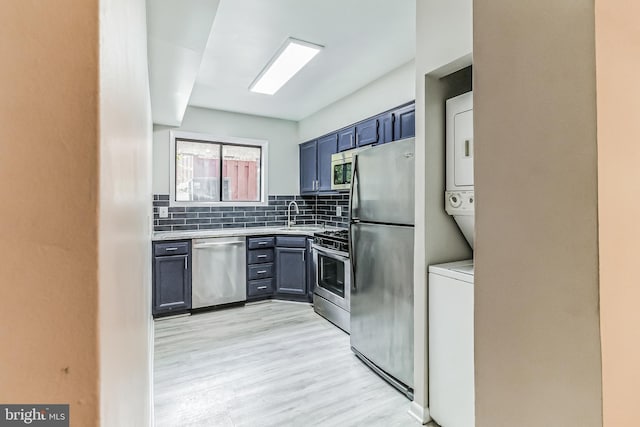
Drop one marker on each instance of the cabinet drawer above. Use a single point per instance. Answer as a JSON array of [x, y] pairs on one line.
[[171, 248], [261, 242], [291, 242], [259, 287], [260, 271], [258, 256]]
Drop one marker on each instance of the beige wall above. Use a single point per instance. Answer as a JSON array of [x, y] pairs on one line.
[[618, 67], [126, 343], [49, 184], [443, 45], [75, 174], [536, 280]]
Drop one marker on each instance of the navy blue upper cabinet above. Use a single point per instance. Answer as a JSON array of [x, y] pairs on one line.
[[404, 122], [347, 139], [327, 146], [367, 132], [315, 164], [315, 156], [308, 167], [386, 127]]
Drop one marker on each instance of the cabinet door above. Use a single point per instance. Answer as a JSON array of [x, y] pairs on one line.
[[367, 132], [405, 122], [308, 167], [291, 271], [346, 139], [386, 127], [311, 280], [171, 284], [327, 146]]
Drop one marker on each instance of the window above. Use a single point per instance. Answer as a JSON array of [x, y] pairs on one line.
[[217, 171]]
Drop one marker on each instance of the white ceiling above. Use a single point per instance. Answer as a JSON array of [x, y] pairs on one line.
[[177, 34], [363, 39]]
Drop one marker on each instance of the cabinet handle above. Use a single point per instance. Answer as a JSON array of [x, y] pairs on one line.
[[262, 256], [357, 139], [186, 263], [262, 243], [171, 249], [262, 271], [351, 140], [261, 288]]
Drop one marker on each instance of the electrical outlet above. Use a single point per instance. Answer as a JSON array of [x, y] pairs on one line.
[[338, 210], [163, 212]]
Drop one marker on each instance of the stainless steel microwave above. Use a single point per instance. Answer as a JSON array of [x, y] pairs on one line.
[[342, 169]]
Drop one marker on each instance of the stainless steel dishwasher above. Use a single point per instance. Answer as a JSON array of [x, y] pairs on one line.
[[219, 271]]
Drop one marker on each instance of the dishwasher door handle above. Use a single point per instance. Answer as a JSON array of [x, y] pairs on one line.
[[208, 245]]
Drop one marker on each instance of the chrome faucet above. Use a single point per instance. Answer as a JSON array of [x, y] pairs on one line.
[[289, 222]]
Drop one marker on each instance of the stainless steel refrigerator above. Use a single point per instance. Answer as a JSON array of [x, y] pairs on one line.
[[381, 246]]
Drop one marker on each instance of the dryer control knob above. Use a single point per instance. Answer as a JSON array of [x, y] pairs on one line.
[[455, 200]]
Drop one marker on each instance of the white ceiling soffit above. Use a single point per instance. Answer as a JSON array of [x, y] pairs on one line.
[[362, 39], [177, 34]]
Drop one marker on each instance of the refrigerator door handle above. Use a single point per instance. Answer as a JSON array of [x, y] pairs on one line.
[[352, 259], [352, 192], [353, 220]]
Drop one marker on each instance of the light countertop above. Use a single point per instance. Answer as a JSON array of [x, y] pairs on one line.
[[236, 232]]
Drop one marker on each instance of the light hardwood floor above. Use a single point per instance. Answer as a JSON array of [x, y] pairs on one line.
[[266, 364]]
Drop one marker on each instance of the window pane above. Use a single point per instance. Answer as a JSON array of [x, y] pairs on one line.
[[197, 171], [241, 173]]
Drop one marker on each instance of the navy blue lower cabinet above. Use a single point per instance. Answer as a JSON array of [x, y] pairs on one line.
[[291, 271], [260, 269], [171, 274], [311, 271]]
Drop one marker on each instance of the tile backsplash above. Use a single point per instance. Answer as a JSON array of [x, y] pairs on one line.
[[313, 210], [326, 210]]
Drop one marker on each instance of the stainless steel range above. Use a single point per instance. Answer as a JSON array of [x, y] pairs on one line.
[[332, 272]]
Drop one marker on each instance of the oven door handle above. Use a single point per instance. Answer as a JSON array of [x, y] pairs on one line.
[[330, 252]]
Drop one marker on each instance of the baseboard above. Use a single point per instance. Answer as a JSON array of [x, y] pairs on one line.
[[419, 413]]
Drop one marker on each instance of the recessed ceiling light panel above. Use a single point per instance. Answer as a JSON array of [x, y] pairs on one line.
[[288, 60]]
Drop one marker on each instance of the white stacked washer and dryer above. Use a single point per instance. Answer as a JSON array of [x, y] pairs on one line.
[[451, 351]]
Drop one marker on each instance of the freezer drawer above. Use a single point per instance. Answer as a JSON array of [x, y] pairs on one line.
[[382, 297]]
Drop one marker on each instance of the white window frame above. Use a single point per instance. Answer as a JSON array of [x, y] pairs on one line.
[[264, 161]]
